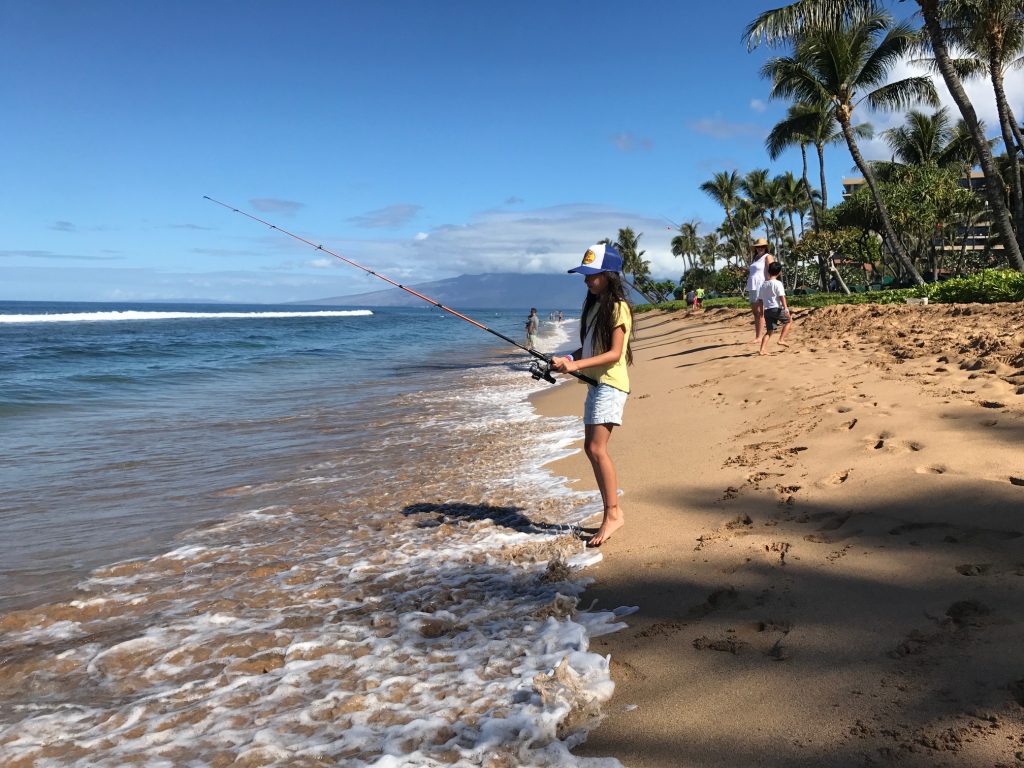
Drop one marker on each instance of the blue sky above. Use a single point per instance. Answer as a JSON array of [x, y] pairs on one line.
[[424, 139]]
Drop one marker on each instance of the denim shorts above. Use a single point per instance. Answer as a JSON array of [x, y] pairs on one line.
[[775, 317], [604, 405]]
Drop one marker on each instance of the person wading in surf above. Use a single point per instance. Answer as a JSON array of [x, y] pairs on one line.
[[605, 327]]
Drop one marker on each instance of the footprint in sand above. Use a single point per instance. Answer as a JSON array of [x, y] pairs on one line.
[[912, 445], [843, 409], [847, 425], [727, 597], [967, 613], [777, 550], [1016, 480], [829, 532], [974, 569], [838, 478], [934, 469]]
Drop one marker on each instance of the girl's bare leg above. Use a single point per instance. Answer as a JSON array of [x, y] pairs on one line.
[[596, 446]]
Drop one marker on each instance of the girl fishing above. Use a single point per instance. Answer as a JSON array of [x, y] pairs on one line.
[[605, 326]]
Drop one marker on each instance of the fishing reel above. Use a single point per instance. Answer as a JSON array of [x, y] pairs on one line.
[[541, 369]]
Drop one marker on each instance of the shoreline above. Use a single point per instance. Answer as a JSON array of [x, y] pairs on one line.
[[824, 543]]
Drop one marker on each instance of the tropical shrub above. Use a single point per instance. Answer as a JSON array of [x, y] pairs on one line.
[[987, 286]]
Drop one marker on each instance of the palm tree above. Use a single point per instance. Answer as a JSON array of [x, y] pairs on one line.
[[991, 32], [944, 63], [724, 189], [686, 243], [633, 262], [791, 21], [793, 199], [747, 218], [922, 138], [794, 130], [845, 63], [709, 247], [755, 185]]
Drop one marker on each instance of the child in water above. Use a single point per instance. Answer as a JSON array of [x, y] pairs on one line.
[[605, 326]]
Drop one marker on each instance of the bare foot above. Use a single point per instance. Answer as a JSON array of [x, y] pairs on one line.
[[784, 344], [613, 520], [762, 352]]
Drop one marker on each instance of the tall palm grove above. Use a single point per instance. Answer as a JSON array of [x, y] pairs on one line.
[[948, 202]]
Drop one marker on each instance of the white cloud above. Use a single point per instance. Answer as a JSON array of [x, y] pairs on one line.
[[546, 240], [628, 142], [322, 263], [387, 218], [758, 105], [421, 236], [719, 128]]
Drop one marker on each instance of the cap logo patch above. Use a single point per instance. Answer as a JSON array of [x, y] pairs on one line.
[[588, 257]]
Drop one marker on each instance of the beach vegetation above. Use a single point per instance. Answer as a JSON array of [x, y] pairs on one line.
[[987, 286], [934, 216], [989, 35], [921, 218], [846, 64]]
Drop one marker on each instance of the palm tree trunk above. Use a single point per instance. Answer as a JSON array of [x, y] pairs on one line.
[[930, 11], [895, 245], [1016, 130], [807, 189], [732, 226], [996, 74], [821, 172]]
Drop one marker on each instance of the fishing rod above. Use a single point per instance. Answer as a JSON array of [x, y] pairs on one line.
[[539, 369]]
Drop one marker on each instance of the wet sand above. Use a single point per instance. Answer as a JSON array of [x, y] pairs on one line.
[[826, 544]]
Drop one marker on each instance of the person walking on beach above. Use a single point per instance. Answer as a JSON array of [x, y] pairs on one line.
[[758, 264], [532, 324], [772, 298], [700, 298], [604, 355]]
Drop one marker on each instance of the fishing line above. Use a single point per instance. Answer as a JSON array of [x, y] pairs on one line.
[[539, 370]]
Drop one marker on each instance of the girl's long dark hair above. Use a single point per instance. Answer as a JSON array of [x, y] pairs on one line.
[[604, 322]]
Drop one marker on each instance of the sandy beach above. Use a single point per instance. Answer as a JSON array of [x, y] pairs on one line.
[[825, 544]]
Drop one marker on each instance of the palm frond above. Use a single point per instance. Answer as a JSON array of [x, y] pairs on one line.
[[783, 24], [904, 94]]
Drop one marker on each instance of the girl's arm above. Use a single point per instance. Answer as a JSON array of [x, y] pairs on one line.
[[565, 365]]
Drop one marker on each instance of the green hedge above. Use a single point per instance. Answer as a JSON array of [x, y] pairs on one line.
[[985, 287]]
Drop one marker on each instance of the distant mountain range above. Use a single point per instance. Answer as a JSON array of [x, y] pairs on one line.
[[494, 291]]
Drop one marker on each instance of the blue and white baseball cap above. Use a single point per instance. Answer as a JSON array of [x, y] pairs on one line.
[[599, 258]]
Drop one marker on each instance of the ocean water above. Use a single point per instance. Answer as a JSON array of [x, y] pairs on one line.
[[269, 536]]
